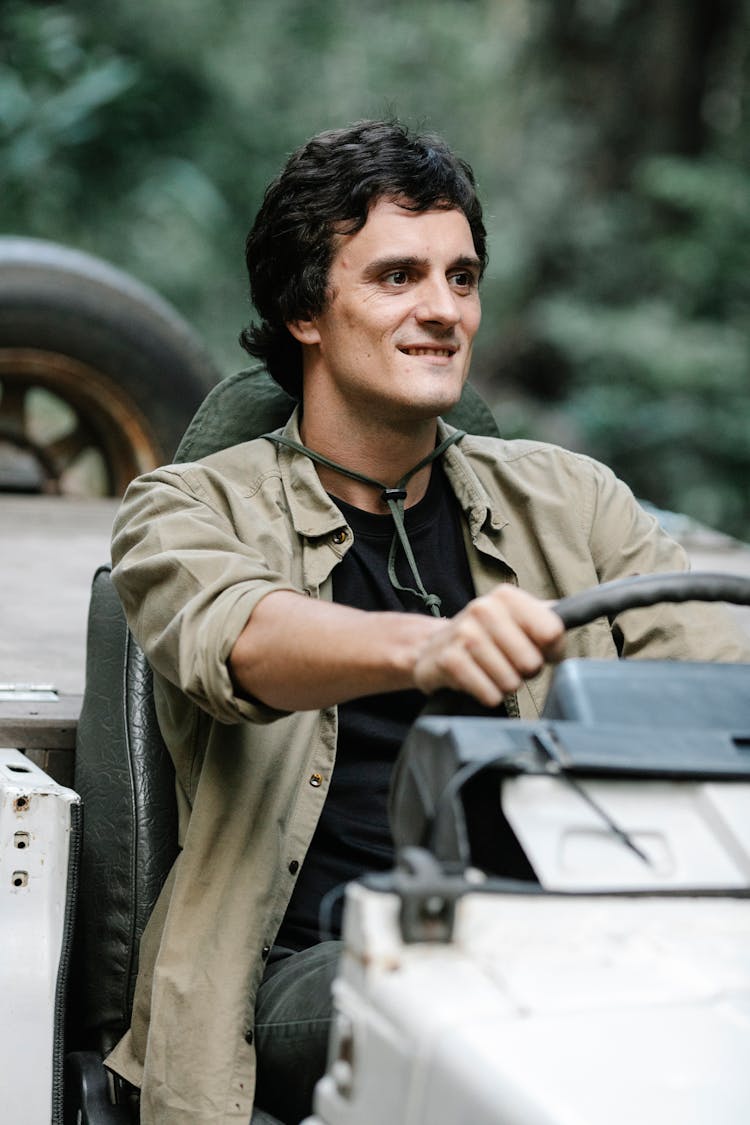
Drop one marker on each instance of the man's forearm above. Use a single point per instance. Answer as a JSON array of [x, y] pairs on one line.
[[299, 654]]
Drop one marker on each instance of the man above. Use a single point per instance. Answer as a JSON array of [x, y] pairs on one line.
[[299, 595]]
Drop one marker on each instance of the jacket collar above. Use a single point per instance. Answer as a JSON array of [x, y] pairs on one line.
[[314, 514], [481, 513]]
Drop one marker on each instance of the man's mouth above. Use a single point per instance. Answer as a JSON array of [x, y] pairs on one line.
[[429, 349]]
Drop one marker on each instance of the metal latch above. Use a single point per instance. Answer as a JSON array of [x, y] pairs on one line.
[[428, 894]]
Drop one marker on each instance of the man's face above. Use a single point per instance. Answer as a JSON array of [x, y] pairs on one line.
[[396, 335]]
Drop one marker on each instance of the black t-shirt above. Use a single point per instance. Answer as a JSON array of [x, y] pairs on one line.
[[353, 835]]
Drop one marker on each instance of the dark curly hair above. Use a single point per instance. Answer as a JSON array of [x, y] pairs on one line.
[[326, 188]]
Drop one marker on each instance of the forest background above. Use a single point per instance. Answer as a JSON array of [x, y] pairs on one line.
[[610, 141]]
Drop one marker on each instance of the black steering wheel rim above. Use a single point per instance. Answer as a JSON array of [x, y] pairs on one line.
[[612, 598]]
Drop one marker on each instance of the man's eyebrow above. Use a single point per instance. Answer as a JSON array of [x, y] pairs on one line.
[[394, 262], [467, 262]]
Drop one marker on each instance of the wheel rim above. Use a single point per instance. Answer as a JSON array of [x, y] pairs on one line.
[[66, 428]]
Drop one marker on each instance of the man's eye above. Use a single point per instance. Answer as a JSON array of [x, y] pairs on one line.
[[464, 280], [397, 277]]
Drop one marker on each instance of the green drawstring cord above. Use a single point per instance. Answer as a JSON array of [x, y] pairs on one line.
[[394, 498]]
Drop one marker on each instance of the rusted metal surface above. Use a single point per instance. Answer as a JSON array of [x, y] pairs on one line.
[[105, 420]]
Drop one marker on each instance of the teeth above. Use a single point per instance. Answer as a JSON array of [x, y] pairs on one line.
[[428, 351]]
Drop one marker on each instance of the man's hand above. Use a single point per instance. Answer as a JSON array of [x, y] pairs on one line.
[[490, 646]]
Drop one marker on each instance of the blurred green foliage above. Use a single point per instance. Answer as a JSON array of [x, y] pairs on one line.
[[610, 139]]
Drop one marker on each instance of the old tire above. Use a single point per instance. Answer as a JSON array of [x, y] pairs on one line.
[[99, 376]]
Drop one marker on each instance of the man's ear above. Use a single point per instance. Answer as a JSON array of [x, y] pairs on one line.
[[304, 331]]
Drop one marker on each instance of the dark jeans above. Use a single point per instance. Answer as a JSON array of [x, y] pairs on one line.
[[293, 1015]]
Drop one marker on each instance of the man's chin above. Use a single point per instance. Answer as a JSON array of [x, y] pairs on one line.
[[440, 397], [417, 400], [426, 408]]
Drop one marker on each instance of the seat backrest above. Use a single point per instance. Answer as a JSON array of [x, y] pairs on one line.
[[125, 777], [123, 770]]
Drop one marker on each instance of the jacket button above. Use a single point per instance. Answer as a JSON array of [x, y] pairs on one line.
[[316, 780], [339, 536], [294, 867], [265, 951], [249, 1036]]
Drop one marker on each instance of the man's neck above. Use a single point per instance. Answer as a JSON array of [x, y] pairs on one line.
[[378, 450]]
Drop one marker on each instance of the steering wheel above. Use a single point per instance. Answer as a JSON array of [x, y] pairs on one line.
[[612, 598], [607, 600]]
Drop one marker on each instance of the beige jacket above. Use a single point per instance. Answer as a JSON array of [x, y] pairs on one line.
[[196, 547]]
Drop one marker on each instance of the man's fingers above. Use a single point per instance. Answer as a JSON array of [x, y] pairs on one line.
[[537, 618], [488, 648], [459, 669], [475, 650], [518, 626]]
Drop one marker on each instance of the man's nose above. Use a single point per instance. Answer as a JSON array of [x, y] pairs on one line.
[[438, 303]]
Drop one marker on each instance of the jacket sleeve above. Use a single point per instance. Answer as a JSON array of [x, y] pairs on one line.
[[625, 541], [188, 584]]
